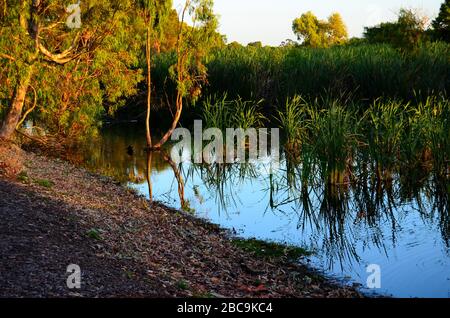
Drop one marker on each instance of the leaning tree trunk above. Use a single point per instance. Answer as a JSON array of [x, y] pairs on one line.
[[12, 118], [175, 121]]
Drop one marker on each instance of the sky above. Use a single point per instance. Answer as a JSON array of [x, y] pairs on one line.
[[270, 21]]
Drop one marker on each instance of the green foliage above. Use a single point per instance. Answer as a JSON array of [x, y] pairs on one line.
[[23, 177], [441, 24], [44, 183], [94, 234], [317, 33], [389, 134], [249, 72], [182, 284], [294, 121], [408, 32], [428, 134], [218, 112], [366, 71], [334, 131], [385, 131], [72, 96], [162, 23], [255, 44], [189, 72], [247, 114], [336, 30]]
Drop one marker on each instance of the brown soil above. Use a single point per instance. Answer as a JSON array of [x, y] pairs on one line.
[[11, 162], [56, 214]]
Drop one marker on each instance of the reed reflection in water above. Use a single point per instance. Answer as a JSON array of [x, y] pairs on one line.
[[400, 222]]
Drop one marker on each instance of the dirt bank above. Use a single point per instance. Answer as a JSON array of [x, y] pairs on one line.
[[55, 214]]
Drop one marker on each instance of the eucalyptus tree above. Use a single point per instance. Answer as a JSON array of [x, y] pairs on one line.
[[155, 13], [66, 60], [193, 44], [320, 33]]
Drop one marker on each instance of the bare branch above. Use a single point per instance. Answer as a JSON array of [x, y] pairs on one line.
[[63, 57], [6, 56], [51, 26]]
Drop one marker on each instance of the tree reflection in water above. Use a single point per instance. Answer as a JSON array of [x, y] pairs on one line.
[[367, 210]]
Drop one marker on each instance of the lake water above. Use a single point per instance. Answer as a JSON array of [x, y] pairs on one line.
[[403, 225]]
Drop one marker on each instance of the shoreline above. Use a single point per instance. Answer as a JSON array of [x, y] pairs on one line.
[[56, 214]]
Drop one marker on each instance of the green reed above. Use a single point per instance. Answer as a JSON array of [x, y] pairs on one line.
[[294, 121], [220, 112], [388, 135], [435, 116], [383, 131], [334, 132], [369, 71]]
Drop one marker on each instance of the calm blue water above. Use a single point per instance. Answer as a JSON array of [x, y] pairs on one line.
[[407, 244], [402, 227]]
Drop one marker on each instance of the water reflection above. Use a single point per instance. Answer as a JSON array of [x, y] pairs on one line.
[[400, 222]]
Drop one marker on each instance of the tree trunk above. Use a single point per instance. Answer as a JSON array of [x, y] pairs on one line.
[[181, 61], [12, 118], [149, 87], [175, 121]]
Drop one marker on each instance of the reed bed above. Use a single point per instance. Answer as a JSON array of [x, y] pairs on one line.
[[367, 71], [367, 103], [388, 135]]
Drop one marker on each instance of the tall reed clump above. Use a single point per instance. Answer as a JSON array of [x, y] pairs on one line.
[[216, 112], [383, 134], [436, 131], [334, 131], [414, 145], [219, 112], [294, 122], [247, 72]]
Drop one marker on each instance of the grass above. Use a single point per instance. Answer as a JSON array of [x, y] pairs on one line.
[[94, 234], [270, 249], [45, 183], [335, 136], [361, 102], [23, 177], [330, 134], [384, 130]]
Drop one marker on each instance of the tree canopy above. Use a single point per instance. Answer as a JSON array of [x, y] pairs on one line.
[[320, 33], [71, 72], [407, 32], [441, 24], [71, 77]]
